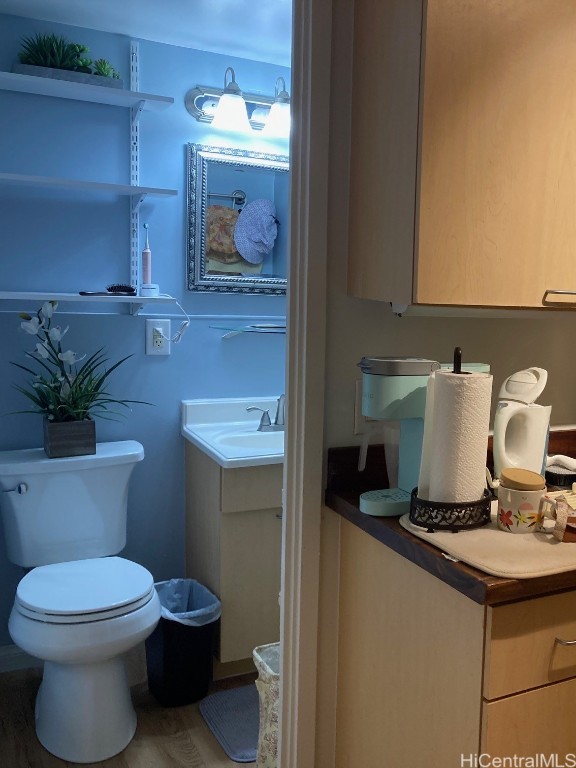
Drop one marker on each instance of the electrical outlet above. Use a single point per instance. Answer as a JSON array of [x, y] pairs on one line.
[[158, 335], [362, 424]]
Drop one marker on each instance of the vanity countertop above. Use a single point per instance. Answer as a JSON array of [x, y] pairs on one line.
[[226, 430], [343, 490]]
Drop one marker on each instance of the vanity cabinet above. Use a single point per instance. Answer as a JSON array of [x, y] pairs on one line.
[[426, 675], [233, 546], [462, 189]]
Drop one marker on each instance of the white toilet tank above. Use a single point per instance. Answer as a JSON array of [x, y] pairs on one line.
[[55, 510]]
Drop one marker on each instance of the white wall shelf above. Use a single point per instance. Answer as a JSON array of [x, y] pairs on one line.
[[136, 102], [135, 302], [97, 94], [78, 185]]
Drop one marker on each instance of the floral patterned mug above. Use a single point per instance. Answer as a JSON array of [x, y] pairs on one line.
[[520, 511]]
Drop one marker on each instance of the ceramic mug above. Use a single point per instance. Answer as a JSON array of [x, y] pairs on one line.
[[520, 511]]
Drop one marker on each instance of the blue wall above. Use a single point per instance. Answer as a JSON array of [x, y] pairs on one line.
[[67, 243]]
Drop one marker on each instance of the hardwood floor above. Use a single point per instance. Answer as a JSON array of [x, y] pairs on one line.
[[175, 737]]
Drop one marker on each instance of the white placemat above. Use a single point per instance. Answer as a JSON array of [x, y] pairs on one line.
[[509, 555]]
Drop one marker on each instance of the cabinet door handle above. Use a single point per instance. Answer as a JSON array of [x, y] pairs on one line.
[[564, 642], [557, 292]]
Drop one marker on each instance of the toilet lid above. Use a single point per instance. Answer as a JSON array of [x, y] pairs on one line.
[[102, 585]]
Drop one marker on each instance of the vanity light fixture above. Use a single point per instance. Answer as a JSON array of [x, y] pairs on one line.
[[278, 121], [202, 103], [231, 111]]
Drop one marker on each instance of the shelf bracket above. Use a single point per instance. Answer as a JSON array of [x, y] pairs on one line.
[[135, 308], [136, 111], [137, 201]]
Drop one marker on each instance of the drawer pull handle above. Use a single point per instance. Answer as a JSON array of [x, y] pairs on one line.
[[546, 301], [564, 642]]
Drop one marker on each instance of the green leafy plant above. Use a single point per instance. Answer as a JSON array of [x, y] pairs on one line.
[[62, 390], [49, 50], [105, 69]]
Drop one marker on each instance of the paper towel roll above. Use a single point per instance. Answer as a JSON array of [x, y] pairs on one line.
[[461, 419]]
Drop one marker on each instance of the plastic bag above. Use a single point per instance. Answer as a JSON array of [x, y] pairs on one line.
[[188, 602]]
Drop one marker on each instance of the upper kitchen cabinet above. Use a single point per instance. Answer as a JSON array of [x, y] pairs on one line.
[[463, 157]]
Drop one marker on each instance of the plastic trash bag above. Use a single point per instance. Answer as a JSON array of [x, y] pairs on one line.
[[188, 602]]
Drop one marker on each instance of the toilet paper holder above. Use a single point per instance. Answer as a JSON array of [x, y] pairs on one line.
[[448, 516]]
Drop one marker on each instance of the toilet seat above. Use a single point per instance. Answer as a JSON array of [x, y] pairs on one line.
[[81, 591]]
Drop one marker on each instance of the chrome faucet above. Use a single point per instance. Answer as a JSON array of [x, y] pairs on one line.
[[265, 423], [279, 420]]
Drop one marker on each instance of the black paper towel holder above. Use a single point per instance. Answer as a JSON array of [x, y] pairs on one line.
[[449, 516]]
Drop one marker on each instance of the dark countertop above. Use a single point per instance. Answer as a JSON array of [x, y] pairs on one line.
[[342, 496]]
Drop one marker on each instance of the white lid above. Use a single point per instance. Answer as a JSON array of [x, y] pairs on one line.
[[35, 460], [524, 386], [84, 586]]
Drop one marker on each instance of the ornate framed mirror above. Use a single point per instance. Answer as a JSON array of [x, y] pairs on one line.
[[238, 208]]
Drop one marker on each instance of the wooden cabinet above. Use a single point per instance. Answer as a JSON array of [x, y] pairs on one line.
[[233, 546], [529, 678], [462, 190], [521, 647], [426, 675]]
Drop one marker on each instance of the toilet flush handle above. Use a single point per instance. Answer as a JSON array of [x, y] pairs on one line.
[[20, 488]]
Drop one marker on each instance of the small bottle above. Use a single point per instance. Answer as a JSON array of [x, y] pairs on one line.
[[146, 261]]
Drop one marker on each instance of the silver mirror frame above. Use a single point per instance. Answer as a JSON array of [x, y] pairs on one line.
[[198, 159]]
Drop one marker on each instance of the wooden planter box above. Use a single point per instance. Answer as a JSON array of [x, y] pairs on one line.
[[69, 438], [66, 74]]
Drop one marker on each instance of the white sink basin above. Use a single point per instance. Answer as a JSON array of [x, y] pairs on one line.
[[228, 433], [260, 441]]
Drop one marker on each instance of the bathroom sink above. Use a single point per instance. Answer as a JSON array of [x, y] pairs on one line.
[[228, 433], [260, 441]]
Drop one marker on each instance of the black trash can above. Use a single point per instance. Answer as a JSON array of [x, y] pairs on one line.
[[179, 651]]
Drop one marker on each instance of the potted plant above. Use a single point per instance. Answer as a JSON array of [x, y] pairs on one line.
[[67, 394], [103, 68], [49, 55]]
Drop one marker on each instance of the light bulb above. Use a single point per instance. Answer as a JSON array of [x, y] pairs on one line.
[[278, 120], [231, 114]]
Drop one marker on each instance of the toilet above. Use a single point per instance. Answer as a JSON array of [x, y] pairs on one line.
[[80, 607]]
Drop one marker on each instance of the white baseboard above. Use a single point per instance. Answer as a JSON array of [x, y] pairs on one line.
[[12, 658]]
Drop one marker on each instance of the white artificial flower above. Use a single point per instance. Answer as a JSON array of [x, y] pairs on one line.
[[48, 308], [31, 326], [42, 350], [57, 334], [68, 357]]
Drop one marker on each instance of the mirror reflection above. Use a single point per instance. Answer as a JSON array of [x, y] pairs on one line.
[[237, 220]]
